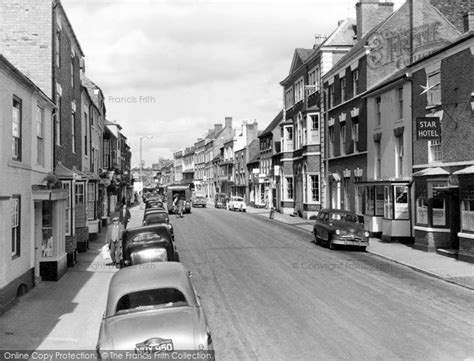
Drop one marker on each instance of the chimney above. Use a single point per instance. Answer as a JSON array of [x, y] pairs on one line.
[[468, 21], [318, 40], [217, 128], [228, 122], [252, 132], [370, 13]]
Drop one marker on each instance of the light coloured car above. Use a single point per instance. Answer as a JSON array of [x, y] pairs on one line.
[[153, 308], [237, 204]]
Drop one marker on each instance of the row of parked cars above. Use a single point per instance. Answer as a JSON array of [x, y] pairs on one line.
[[152, 306]]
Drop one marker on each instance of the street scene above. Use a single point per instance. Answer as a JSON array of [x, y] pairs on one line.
[[265, 283], [237, 180]]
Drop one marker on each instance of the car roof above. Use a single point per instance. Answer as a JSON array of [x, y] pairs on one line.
[[158, 228], [331, 210], [146, 276]]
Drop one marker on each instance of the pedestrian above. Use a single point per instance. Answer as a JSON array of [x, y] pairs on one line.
[[114, 239], [181, 206], [124, 215], [272, 213]]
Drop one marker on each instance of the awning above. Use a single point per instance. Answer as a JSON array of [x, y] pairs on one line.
[[335, 176], [430, 171], [468, 170]]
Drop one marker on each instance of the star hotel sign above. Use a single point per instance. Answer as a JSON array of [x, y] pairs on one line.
[[428, 128]]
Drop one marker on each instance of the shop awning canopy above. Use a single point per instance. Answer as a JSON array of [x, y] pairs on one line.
[[468, 170], [430, 171]]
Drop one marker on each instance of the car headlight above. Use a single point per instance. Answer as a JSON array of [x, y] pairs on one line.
[[366, 234], [338, 232]]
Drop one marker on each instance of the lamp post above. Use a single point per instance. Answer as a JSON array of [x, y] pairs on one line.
[[141, 162]]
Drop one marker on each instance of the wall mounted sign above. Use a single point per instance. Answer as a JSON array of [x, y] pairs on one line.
[[428, 128]]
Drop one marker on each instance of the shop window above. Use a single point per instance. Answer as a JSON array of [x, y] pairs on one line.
[[438, 205], [467, 214], [91, 201], [379, 200], [388, 207], [79, 193], [374, 201], [47, 244], [370, 201], [401, 202], [422, 209], [359, 200], [67, 220]]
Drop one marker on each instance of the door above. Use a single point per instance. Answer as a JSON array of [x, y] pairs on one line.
[[454, 216], [38, 236]]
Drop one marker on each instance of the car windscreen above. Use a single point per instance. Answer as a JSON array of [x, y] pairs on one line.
[[146, 236], [238, 199], [344, 217], [150, 299], [156, 218]]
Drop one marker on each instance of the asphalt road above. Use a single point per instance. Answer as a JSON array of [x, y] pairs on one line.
[[272, 294]]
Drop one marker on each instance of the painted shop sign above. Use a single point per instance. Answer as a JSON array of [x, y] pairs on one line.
[[428, 128], [393, 47]]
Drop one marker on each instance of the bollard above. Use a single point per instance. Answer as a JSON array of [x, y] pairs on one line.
[[272, 213]]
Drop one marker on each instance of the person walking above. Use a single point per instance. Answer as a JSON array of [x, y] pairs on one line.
[[181, 206], [114, 238], [124, 215]]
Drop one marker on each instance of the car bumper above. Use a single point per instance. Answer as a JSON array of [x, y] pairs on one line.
[[351, 241]]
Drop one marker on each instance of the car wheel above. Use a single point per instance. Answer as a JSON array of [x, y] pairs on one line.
[[316, 239], [363, 249]]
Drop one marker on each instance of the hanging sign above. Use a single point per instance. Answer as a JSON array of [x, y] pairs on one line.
[[428, 128]]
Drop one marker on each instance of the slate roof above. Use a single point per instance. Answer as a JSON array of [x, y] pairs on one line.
[[272, 124]]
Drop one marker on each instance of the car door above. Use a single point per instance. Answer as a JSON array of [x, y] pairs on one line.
[[319, 226]]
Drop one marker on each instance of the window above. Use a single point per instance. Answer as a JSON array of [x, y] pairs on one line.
[[314, 131], [86, 145], [355, 82], [331, 95], [289, 188], [68, 219], [370, 201], [91, 201], [434, 89], [57, 48], [106, 154], [72, 72], [399, 156], [435, 152], [314, 187], [347, 202], [80, 193], [343, 89], [439, 206], [388, 205], [73, 131], [401, 202], [16, 224], [289, 98], [378, 159], [467, 213], [422, 209], [331, 140], [313, 80], [343, 138], [355, 134], [299, 90], [400, 102], [374, 201], [378, 114], [39, 136], [57, 120], [16, 128], [47, 241]]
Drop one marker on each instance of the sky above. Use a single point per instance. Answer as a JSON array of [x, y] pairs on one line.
[[171, 69]]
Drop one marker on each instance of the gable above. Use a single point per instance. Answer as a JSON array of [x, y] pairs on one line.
[[389, 45], [299, 57]]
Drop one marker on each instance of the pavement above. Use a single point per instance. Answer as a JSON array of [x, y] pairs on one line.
[[432, 264]]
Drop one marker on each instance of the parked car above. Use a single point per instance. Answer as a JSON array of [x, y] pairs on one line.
[[148, 244], [237, 204], [336, 227], [199, 200], [153, 204], [153, 309], [220, 200]]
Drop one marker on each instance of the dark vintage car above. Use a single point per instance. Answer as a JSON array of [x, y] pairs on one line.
[[152, 309], [151, 243], [153, 204], [336, 227], [157, 216]]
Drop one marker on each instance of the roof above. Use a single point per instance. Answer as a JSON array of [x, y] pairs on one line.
[[299, 57], [430, 171], [340, 36], [273, 124], [92, 89], [60, 6], [27, 81], [148, 276]]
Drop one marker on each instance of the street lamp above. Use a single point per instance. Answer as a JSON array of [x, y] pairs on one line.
[[141, 162]]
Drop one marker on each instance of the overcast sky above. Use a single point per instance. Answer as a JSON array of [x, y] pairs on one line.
[[174, 68]]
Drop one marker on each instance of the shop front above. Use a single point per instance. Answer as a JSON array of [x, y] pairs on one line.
[[50, 232], [465, 179]]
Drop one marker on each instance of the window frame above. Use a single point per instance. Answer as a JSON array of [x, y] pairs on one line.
[[15, 225], [355, 82], [40, 136], [17, 122], [378, 111], [343, 84]]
